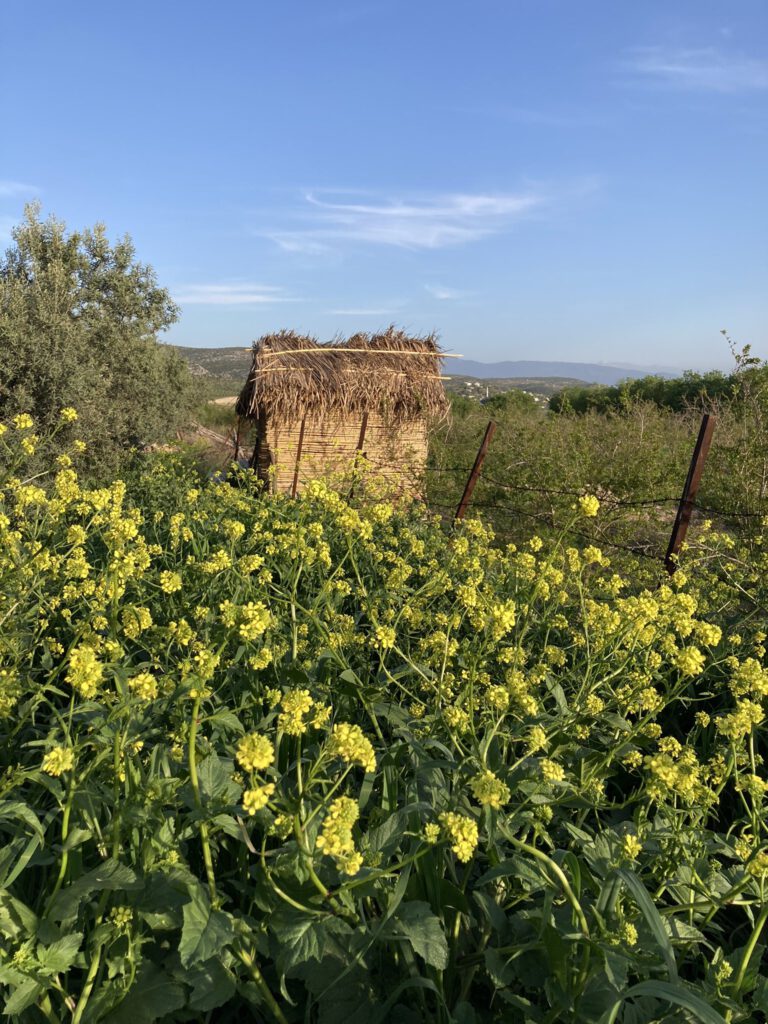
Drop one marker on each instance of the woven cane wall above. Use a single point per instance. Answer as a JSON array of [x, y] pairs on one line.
[[328, 448]]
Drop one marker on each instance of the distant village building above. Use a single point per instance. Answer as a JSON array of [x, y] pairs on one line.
[[315, 407]]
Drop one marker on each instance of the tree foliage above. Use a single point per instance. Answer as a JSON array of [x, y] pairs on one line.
[[79, 319]]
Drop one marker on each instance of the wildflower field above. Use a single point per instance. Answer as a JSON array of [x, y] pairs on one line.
[[325, 761]]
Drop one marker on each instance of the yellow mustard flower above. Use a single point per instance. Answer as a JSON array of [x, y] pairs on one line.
[[462, 833], [58, 760], [489, 790], [255, 799], [255, 752], [350, 744]]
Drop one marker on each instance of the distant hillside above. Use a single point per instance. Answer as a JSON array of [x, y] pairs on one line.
[[542, 388], [593, 373], [233, 363]]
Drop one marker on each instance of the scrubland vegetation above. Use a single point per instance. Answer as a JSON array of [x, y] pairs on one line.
[[332, 763], [329, 760]]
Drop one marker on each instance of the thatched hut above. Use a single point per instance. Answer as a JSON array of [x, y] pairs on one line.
[[316, 406]]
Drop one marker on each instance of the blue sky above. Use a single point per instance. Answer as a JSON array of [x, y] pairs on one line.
[[535, 179]]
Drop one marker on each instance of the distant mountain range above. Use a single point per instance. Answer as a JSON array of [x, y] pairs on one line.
[[233, 363], [592, 373]]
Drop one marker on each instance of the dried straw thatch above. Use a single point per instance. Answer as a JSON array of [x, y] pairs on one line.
[[389, 373], [317, 406]]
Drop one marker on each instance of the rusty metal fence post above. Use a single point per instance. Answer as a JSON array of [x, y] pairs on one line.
[[475, 472], [690, 490]]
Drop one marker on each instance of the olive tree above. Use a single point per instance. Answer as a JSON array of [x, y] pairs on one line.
[[79, 321]]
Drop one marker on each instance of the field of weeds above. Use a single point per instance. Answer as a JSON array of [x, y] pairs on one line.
[[320, 761]]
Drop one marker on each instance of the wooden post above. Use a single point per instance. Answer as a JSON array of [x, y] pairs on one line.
[[475, 473], [299, 447], [254, 463], [237, 438], [690, 490], [358, 451]]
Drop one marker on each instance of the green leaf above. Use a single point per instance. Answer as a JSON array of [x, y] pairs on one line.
[[216, 781], [154, 995], [17, 921], [204, 932], [676, 994], [23, 997], [16, 812], [212, 985], [112, 876], [60, 955], [525, 872], [416, 922], [652, 917], [301, 937]]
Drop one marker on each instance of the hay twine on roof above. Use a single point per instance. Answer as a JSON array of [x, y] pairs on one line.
[[392, 373]]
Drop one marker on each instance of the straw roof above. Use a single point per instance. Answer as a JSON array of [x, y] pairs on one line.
[[390, 373]]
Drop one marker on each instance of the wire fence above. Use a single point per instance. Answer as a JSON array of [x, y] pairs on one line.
[[685, 502], [451, 507]]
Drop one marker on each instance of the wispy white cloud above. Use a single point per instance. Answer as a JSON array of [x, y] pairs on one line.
[[12, 189], [361, 312], [437, 291], [230, 295], [705, 69], [421, 223]]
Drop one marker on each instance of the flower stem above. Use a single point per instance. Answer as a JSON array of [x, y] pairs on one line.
[[195, 783]]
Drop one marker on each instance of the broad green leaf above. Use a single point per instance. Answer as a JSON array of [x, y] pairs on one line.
[[17, 921], [204, 932], [416, 922], [652, 917], [60, 955], [16, 812], [212, 985], [112, 875], [21, 857], [23, 997], [154, 995], [525, 872], [301, 937], [669, 993]]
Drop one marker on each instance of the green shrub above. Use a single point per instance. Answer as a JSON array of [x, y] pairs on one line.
[[79, 319]]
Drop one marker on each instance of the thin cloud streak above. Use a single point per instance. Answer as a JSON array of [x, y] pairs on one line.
[[361, 312], [446, 294], [699, 70], [432, 223], [11, 189], [230, 295]]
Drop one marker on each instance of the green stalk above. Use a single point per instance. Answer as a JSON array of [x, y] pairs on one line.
[[64, 834], [262, 986], [90, 981], [738, 981], [195, 783]]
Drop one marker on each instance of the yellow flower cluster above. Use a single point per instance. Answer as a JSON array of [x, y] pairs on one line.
[[589, 505], [741, 722], [462, 833], [255, 799], [489, 790], [551, 771], [254, 752], [143, 686], [350, 744], [335, 837], [296, 705], [85, 671], [58, 760]]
